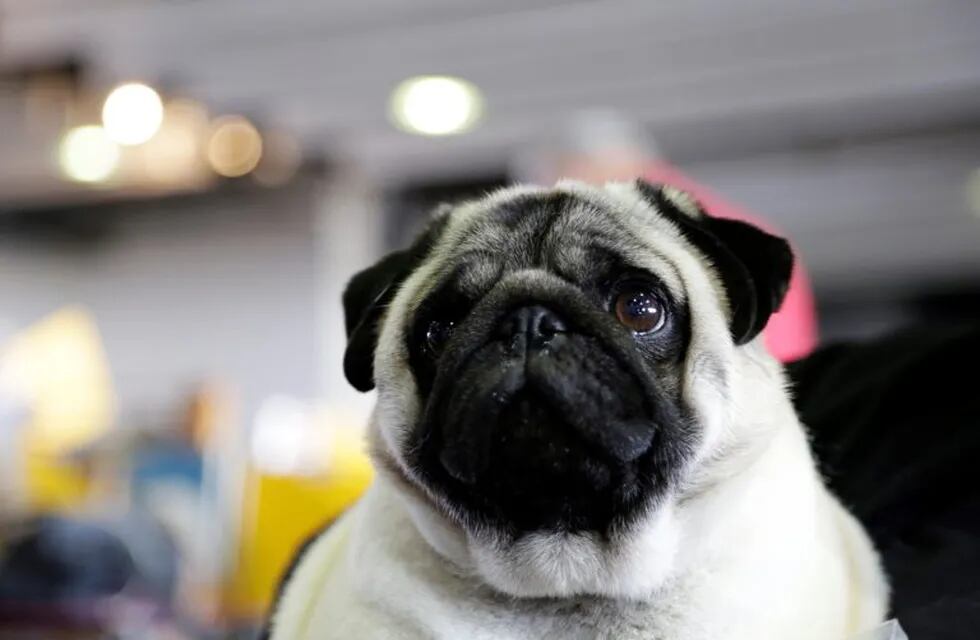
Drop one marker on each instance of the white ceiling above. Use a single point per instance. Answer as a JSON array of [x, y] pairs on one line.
[[324, 68]]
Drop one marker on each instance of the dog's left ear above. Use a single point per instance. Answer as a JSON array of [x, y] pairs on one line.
[[754, 266], [370, 292]]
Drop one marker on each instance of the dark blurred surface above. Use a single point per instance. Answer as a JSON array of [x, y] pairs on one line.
[[59, 559], [894, 425]]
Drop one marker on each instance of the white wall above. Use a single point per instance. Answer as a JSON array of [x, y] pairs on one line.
[[184, 290]]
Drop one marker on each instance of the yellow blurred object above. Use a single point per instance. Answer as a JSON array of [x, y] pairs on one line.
[[54, 484], [59, 365], [283, 511], [58, 369]]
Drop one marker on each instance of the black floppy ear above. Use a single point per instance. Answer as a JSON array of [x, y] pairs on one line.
[[754, 266], [367, 296]]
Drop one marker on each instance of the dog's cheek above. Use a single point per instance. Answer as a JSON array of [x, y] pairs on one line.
[[704, 388], [398, 407]]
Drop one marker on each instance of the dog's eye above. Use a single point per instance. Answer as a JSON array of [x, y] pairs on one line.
[[640, 310], [436, 335]]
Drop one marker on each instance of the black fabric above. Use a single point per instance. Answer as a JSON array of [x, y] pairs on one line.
[[895, 425]]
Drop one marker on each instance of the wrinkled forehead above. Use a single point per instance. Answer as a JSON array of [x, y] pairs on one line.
[[577, 238]]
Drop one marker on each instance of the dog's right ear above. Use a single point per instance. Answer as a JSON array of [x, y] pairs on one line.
[[370, 292]]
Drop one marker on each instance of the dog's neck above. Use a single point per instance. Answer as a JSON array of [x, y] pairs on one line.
[[767, 553]]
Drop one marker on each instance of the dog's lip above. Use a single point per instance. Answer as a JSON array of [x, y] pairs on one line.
[[623, 439], [466, 442], [467, 438]]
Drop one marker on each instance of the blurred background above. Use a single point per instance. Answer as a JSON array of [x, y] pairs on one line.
[[186, 185]]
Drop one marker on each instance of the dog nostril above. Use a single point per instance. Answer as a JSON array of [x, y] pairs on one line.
[[536, 322], [549, 324]]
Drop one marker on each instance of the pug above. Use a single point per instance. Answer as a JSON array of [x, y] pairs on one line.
[[579, 434]]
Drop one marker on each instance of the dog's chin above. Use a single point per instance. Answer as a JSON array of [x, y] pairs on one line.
[[557, 440]]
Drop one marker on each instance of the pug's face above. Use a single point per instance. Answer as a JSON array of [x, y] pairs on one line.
[[555, 367]]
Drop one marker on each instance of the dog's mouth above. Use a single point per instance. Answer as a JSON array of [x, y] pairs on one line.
[[554, 438], [546, 407]]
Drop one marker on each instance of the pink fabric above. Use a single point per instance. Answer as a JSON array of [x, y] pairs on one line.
[[792, 331]]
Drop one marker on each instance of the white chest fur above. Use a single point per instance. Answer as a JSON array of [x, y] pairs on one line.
[[767, 554]]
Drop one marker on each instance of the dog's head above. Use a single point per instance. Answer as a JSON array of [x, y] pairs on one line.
[[557, 372]]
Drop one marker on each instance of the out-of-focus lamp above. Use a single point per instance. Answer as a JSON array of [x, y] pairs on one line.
[[235, 147], [132, 113], [435, 105], [86, 154], [174, 155]]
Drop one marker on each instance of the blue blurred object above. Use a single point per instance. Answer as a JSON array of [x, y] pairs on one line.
[[167, 463]]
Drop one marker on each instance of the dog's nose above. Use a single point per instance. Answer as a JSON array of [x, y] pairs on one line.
[[537, 323]]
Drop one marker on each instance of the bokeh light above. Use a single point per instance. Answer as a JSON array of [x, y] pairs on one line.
[[281, 158], [132, 113], [87, 154], [235, 147], [175, 154], [436, 105]]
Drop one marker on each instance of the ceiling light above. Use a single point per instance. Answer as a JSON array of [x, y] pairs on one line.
[[86, 154], [435, 105], [132, 113], [174, 155], [235, 147]]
